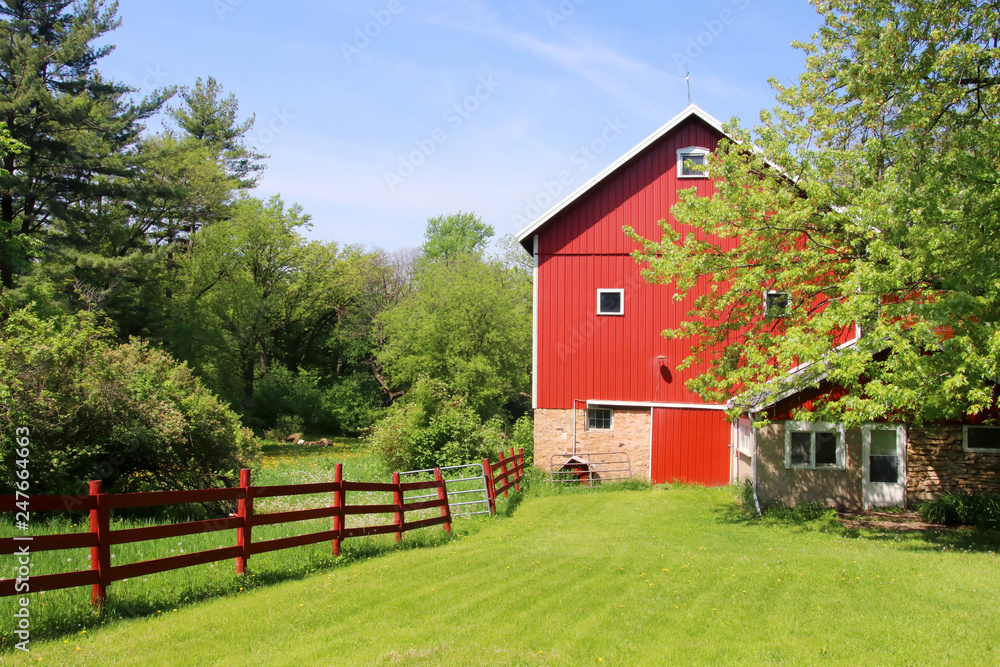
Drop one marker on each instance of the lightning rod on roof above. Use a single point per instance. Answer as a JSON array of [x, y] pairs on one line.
[[687, 78]]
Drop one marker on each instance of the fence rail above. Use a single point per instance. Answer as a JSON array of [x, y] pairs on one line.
[[499, 477], [504, 474], [101, 538]]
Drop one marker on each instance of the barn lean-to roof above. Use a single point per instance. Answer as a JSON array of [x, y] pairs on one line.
[[524, 237]]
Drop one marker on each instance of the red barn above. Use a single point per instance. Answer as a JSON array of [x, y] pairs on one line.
[[605, 379], [607, 393]]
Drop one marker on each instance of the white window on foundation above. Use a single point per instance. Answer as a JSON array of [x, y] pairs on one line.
[[692, 162], [984, 439], [600, 419], [814, 445]]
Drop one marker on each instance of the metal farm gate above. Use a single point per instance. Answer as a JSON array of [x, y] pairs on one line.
[[463, 488], [590, 468]]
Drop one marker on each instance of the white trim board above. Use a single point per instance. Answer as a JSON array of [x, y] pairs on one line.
[[646, 404], [534, 328], [691, 110]]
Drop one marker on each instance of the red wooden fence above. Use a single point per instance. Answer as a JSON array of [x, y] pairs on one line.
[[500, 477], [101, 538]]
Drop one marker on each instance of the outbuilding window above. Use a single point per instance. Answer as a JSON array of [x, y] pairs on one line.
[[981, 439], [814, 445], [692, 162], [600, 419], [610, 302]]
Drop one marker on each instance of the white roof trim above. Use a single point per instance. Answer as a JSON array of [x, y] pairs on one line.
[[644, 404], [798, 370], [691, 110]]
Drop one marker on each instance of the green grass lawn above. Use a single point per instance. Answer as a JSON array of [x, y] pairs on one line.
[[55, 613], [664, 576]]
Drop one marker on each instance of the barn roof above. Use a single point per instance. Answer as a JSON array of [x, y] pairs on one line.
[[693, 110]]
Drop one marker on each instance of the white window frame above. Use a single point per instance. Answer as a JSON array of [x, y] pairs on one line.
[[611, 420], [684, 153], [981, 450], [815, 427], [621, 301], [788, 303], [744, 436]]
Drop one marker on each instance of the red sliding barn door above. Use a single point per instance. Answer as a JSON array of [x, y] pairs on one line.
[[690, 446]]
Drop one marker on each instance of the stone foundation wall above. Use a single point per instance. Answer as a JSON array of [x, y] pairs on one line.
[[935, 463], [630, 432]]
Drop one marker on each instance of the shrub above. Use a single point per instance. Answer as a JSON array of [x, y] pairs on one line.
[[127, 414], [284, 394], [957, 509], [354, 403], [747, 500], [429, 428], [523, 437]]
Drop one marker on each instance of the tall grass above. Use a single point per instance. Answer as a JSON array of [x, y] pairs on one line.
[[672, 575], [55, 613]]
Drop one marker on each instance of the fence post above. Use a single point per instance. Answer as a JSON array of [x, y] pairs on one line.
[[520, 461], [100, 555], [397, 500], [517, 471], [245, 512], [491, 495], [503, 467], [443, 495], [338, 501]]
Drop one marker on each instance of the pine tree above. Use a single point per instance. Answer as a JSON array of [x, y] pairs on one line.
[[210, 118], [79, 132]]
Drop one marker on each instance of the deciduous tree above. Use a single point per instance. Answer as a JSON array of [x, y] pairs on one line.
[[871, 197]]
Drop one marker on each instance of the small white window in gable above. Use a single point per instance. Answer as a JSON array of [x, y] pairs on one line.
[[610, 302], [692, 162]]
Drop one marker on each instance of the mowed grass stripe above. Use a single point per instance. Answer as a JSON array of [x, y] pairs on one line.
[[667, 576]]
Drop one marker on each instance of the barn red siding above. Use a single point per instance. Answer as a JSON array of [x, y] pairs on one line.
[[690, 445], [638, 194], [582, 355]]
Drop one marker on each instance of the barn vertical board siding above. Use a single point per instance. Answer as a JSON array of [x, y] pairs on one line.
[[690, 445], [582, 355]]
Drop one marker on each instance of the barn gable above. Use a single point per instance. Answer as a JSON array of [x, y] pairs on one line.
[[598, 324]]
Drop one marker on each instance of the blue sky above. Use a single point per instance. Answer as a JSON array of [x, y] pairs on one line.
[[378, 114]]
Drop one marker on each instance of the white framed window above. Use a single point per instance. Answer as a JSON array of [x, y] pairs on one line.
[[814, 445], [600, 419], [692, 162], [776, 303], [610, 302], [985, 439], [744, 437]]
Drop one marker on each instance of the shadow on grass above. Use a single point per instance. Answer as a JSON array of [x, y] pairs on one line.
[[154, 600], [811, 517]]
